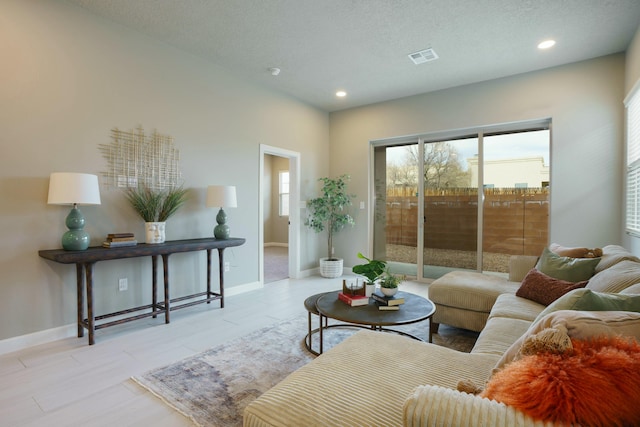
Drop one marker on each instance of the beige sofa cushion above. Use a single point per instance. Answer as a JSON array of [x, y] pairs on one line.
[[631, 290], [364, 381], [579, 325], [469, 290], [613, 254], [616, 278], [513, 307], [499, 334], [431, 405]]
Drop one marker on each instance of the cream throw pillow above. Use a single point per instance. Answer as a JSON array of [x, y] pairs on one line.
[[579, 325]]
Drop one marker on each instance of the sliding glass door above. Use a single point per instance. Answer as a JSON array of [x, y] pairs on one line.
[[467, 202], [516, 196]]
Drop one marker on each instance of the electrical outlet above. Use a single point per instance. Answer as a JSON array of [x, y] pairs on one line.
[[123, 284], [227, 266]]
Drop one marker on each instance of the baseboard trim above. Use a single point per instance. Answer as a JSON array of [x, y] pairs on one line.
[[281, 245], [22, 342]]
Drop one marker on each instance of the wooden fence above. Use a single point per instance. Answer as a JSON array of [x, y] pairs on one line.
[[516, 220]]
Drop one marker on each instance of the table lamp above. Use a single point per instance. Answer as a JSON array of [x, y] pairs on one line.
[[223, 196], [74, 189]]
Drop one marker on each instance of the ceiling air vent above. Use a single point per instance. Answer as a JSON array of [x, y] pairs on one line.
[[423, 56]]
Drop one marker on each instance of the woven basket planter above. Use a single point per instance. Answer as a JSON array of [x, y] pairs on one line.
[[330, 268]]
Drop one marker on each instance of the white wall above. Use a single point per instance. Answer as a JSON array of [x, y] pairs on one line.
[[67, 78], [584, 101]]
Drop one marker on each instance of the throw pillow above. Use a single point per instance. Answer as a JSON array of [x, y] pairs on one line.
[[566, 268], [543, 289], [550, 340], [597, 383], [616, 278], [579, 325], [575, 252], [587, 300]]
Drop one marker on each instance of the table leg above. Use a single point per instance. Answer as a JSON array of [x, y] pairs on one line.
[[208, 274], [221, 271], [321, 335], [430, 329], [80, 292], [165, 266], [91, 320], [154, 283], [309, 333]]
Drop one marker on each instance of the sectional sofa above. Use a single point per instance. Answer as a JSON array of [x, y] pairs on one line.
[[380, 379]]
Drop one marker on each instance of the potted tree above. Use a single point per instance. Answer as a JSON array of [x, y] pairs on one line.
[[155, 207], [372, 270], [328, 212]]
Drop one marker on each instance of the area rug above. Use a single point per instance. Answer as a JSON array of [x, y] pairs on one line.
[[213, 388]]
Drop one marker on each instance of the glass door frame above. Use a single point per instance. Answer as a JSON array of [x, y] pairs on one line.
[[422, 139]]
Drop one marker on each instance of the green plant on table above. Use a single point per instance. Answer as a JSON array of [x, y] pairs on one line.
[[372, 270], [391, 280]]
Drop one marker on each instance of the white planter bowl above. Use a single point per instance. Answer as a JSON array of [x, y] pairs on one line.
[[389, 292]]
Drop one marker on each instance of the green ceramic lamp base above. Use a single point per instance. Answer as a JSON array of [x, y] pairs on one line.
[[221, 231], [76, 239]]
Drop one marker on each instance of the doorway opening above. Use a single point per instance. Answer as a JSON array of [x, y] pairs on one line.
[[279, 222]]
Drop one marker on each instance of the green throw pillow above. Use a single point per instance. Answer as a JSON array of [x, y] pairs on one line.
[[566, 268], [585, 299]]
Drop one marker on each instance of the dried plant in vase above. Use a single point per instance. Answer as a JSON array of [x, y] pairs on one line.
[[155, 207]]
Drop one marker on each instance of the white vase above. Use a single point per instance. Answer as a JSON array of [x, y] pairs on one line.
[[389, 292], [331, 268], [154, 232], [369, 288]]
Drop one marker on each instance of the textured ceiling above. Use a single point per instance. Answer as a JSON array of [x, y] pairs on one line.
[[361, 46]]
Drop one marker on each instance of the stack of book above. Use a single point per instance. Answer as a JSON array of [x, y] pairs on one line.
[[353, 300], [118, 240], [387, 303]]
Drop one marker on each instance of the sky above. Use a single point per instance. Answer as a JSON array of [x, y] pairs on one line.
[[509, 146]]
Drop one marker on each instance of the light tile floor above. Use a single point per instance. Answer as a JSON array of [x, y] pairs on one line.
[[69, 383]]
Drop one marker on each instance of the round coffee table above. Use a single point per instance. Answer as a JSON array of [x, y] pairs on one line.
[[415, 309]]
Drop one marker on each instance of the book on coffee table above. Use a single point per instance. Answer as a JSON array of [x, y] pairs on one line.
[[385, 300], [383, 307], [353, 300]]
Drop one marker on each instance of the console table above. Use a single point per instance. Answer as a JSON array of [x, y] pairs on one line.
[[84, 261]]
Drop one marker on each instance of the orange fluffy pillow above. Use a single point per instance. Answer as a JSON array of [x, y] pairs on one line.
[[595, 384]]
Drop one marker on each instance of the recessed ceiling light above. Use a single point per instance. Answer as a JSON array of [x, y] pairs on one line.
[[341, 94], [546, 44]]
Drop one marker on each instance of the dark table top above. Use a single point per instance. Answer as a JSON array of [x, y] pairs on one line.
[[99, 253], [414, 309]]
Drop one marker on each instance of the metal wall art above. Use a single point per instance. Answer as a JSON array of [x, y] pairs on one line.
[[136, 159]]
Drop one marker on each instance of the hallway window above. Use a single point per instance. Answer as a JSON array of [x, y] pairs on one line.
[[284, 193]]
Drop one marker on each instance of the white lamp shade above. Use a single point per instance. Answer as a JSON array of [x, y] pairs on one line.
[[222, 196], [66, 188]]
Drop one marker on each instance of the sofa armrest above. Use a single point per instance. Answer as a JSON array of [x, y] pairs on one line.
[[438, 406], [519, 266]]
